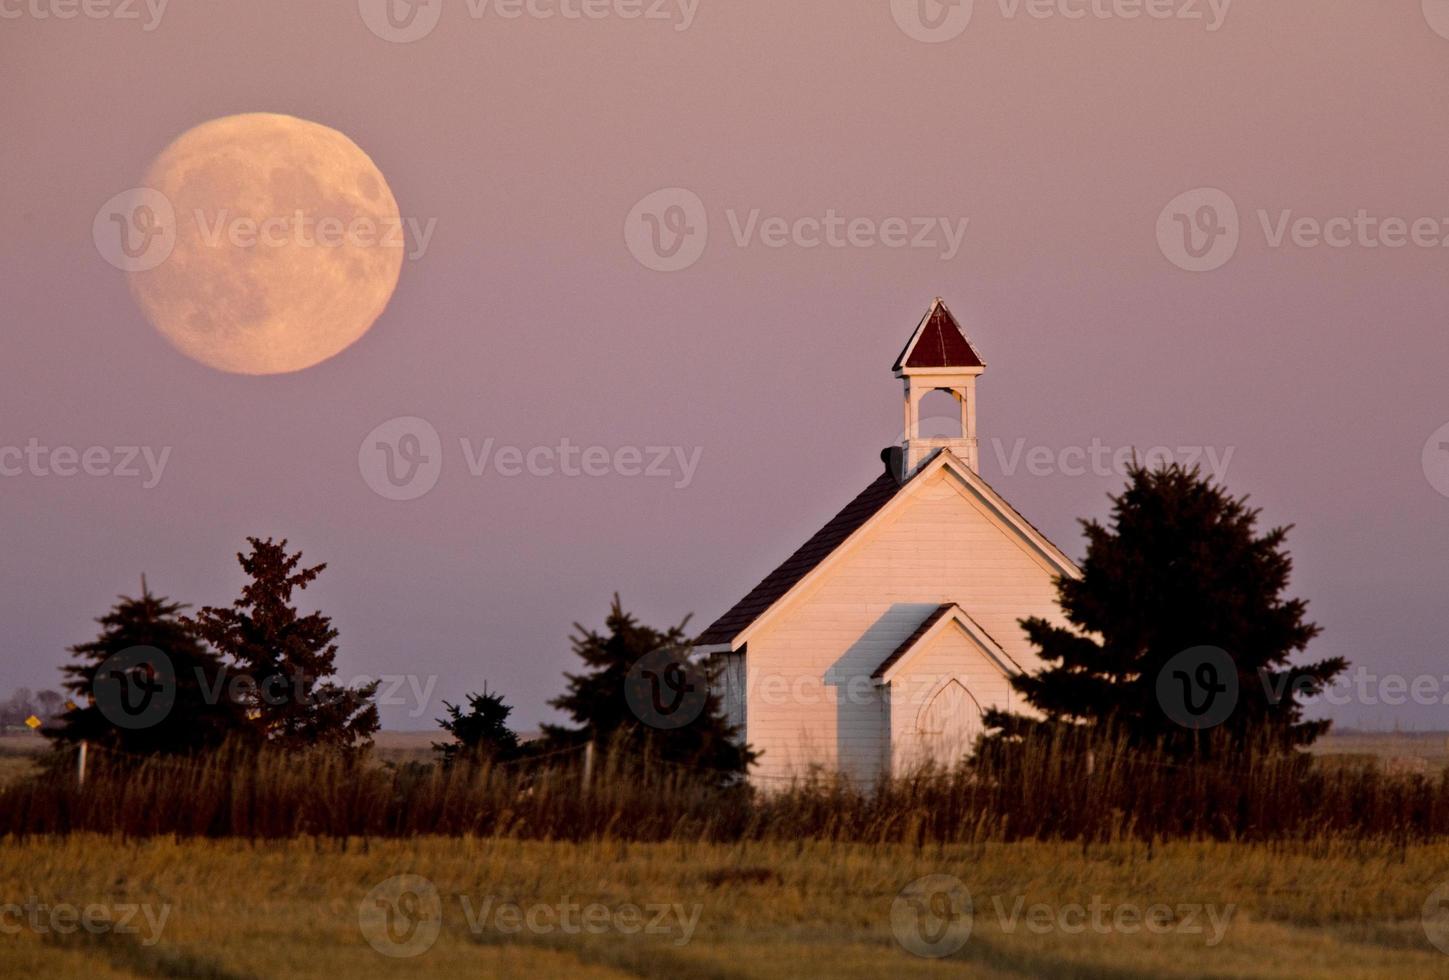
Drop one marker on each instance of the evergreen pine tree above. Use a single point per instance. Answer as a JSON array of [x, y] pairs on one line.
[[644, 693], [146, 685], [482, 734], [1181, 567], [287, 658]]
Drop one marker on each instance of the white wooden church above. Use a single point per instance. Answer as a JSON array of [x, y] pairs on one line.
[[879, 643]]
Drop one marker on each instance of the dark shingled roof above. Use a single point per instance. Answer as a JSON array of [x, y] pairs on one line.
[[942, 344], [830, 537], [914, 638], [798, 565]]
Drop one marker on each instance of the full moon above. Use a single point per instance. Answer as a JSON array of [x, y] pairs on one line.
[[288, 244]]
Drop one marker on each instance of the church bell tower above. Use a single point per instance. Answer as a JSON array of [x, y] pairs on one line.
[[938, 357]]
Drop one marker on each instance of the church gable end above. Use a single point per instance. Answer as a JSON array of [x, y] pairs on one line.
[[881, 640]]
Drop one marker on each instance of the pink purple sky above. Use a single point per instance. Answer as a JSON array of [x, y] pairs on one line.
[[1322, 370]]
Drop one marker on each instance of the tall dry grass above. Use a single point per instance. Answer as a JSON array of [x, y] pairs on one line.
[[1048, 791]]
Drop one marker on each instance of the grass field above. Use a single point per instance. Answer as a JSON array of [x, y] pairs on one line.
[[311, 909], [777, 905], [19, 749], [17, 754], [1411, 750]]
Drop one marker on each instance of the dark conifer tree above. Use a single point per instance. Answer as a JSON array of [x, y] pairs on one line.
[[146, 685], [482, 734], [286, 659], [1180, 568], [645, 693]]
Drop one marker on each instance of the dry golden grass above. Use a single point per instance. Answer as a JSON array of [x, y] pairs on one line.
[[1065, 788], [18, 753], [291, 909], [782, 885]]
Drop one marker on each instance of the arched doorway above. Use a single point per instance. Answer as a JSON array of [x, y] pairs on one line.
[[949, 724]]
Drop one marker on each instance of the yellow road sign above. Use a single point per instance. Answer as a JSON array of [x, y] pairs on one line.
[[33, 722]]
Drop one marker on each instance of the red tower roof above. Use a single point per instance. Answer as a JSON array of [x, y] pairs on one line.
[[938, 342]]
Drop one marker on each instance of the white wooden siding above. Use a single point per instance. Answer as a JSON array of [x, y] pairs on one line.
[[939, 545], [920, 700]]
